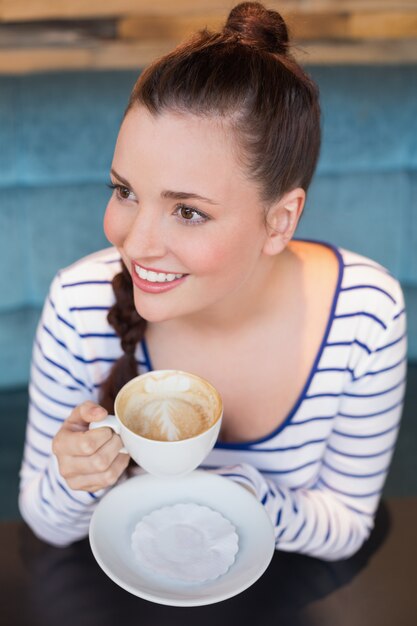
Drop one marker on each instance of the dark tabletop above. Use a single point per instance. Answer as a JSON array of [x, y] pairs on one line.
[[41, 585]]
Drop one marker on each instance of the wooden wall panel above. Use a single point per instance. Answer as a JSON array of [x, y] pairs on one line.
[[39, 35]]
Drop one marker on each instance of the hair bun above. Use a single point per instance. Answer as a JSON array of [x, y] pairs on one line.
[[259, 27]]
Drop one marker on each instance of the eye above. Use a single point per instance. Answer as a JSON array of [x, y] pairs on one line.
[[190, 216], [122, 192]]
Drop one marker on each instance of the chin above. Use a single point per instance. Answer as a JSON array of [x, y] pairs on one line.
[[151, 313]]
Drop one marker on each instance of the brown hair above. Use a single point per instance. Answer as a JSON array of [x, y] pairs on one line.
[[246, 75]]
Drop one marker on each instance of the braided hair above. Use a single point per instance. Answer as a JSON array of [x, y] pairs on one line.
[[130, 327]]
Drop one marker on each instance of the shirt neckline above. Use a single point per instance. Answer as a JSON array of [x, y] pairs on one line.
[[293, 411]]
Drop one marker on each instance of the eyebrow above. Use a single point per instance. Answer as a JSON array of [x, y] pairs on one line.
[[183, 195], [175, 195]]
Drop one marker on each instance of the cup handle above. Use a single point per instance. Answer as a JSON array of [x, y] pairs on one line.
[[108, 422]]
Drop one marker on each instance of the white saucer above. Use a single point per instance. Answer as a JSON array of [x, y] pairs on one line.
[[117, 514]]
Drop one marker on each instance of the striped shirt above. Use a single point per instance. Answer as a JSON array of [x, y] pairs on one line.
[[319, 475]]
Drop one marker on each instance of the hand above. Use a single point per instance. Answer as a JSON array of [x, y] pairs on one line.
[[89, 460]]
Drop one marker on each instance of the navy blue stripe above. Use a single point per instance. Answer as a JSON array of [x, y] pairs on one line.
[[385, 369], [373, 287], [111, 261], [361, 456], [341, 548], [58, 341], [313, 531], [86, 282], [45, 395], [335, 369], [46, 501], [54, 380], [61, 486], [365, 415], [89, 308], [76, 356], [389, 345], [399, 314], [35, 449], [61, 319], [243, 476], [351, 495], [281, 533], [146, 354], [295, 487], [52, 417], [384, 432], [300, 530], [290, 471], [337, 471], [204, 466], [38, 430], [278, 517], [297, 447], [379, 393], [33, 467], [48, 478], [281, 493], [365, 314], [323, 395], [322, 501], [357, 395], [312, 419], [79, 512], [61, 367], [98, 335], [327, 537], [355, 510], [71, 520], [379, 268], [350, 343], [250, 446]]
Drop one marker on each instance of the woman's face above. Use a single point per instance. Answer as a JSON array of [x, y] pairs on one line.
[[187, 222]]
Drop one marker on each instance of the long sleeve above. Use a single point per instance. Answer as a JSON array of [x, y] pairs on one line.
[[331, 518], [59, 381]]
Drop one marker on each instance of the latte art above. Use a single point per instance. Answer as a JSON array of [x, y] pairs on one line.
[[169, 406], [170, 418]]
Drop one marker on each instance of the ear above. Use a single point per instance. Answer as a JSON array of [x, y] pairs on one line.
[[282, 220]]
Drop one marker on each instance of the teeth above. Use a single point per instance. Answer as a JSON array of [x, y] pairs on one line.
[[155, 277]]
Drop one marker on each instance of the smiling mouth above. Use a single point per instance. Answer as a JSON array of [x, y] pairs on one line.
[[156, 277]]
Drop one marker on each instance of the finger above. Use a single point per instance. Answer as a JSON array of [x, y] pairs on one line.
[[102, 480], [80, 443], [84, 414], [98, 462]]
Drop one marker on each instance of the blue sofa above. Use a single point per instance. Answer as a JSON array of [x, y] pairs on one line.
[[57, 135]]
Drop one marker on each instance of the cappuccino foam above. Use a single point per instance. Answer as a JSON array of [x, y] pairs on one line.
[[164, 412]]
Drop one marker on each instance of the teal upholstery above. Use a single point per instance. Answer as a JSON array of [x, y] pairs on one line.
[[57, 135]]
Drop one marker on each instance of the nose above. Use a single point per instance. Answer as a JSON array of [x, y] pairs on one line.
[[145, 239]]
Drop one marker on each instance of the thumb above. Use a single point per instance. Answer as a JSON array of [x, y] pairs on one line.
[[84, 414]]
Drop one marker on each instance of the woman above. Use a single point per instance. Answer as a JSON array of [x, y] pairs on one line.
[[305, 341]]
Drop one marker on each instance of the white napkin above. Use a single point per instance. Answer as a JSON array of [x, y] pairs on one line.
[[188, 542]]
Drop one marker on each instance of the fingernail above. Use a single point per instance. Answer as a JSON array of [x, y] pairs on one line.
[[99, 411]]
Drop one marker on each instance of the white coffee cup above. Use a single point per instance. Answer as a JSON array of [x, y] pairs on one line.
[[168, 420]]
